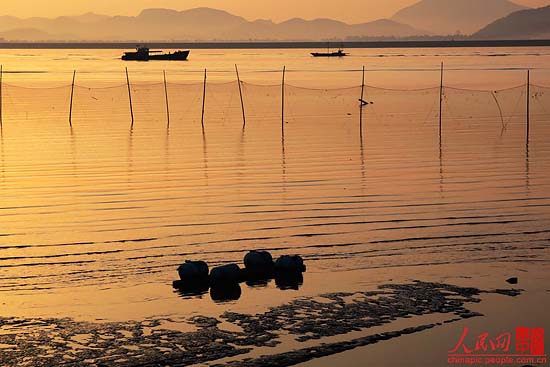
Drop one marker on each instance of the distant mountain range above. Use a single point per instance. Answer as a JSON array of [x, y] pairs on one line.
[[425, 19], [446, 17], [198, 24], [531, 23]]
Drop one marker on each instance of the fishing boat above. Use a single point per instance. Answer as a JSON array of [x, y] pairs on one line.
[[145, 54], [339, 53]]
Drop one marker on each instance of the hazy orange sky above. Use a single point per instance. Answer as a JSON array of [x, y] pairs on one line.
[[277, 10]]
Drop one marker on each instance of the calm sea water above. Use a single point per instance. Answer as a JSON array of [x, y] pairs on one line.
[[97, 217], [466, 67]]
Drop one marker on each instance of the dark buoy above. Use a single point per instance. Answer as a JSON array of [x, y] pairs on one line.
[[288, 263], [225, 292], [193, 270], [258, 263], [225, 274], [223, 281]]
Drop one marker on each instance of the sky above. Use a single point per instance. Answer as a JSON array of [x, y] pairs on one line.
[[351, 11]]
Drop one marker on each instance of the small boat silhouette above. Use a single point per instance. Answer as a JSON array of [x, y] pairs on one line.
[[145, 54], [339, 53]]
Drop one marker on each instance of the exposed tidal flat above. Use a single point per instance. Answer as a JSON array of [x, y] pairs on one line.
[[61, 341], [407, 235]]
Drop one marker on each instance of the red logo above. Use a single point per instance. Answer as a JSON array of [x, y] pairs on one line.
[[524, 346], [530, 341]]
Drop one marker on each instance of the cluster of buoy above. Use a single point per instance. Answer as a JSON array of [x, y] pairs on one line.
[[223, 281]]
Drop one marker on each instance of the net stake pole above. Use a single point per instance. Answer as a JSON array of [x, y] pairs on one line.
[[130, 98], [440, 99], [241, 95], [283, 104], [166, 99], [203, 98], [71, 104], [361, 100], [1, 101], [528, 117]]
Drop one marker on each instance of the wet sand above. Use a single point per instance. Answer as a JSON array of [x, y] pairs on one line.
[[430, 347], [346, 327], [60, 341]]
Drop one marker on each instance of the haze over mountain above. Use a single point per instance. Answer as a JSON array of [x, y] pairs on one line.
[[452, 16], [199, 24], [425, 18], [530, 23]]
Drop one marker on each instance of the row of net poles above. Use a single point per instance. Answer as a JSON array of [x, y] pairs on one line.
[[129, 98]]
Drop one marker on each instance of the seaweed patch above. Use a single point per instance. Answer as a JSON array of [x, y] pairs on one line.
[[62, 342]]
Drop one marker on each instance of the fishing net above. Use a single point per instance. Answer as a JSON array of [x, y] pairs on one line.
[[105, 107], [21, 104], [185, 104], [539, 112], [224, 108], [485, 110]]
